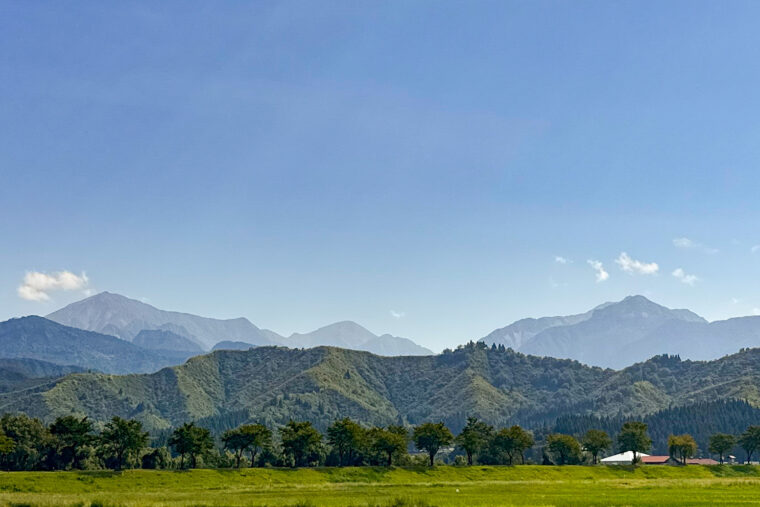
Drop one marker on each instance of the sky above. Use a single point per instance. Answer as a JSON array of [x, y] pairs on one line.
[[433, 170]]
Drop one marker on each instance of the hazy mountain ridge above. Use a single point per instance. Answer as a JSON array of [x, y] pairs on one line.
[[161, 339], [618, 334], [126, 318], [274, 384], [520, 332], [25, 373], [350, 335], [44, 340], [123, 317]]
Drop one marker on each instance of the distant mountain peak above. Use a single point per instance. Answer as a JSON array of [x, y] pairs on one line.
[[612, 334], [125, 318]]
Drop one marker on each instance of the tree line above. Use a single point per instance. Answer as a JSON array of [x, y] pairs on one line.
[[73, 443]]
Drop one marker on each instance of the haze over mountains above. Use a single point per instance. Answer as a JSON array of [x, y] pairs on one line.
[[155, 329], [618, 334], [124, 318], [308, 381], [44, 340]]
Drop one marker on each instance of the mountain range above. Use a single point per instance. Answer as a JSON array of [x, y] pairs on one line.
[[44, 340], [498, 385], [155, 329], [618, 334], [18, 374]]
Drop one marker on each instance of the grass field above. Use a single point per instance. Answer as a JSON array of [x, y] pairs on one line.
[[441, 486]]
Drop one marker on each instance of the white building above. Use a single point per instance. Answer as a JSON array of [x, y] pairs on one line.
[[624, 458]]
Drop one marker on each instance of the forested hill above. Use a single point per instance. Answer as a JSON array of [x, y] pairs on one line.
[[701, 420], [273, 385]]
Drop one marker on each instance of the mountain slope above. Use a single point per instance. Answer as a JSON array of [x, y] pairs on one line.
[[28, 373], [350, 335], [45, 340], [520, 332], [123, 317], [273, 385], [159, 339], [598, 339], [230, 345], [618, 334], [126, 318]]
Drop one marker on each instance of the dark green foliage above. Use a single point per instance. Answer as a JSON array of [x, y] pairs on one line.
[[249, 437], [721, 444], [348, 439], [191, 440], [301, 443], [510, 443], [565, 449], [633, 437], [750, 441], [31, 442], [596, 441], [682, 447], [701, 420], [121, 440], [6, 444], [498, 386], [389, 442], [430, 437], [72, 437], [157, 459], [474, 437]]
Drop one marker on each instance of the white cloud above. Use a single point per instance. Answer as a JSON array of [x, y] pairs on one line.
[[755, 249], [38, 286], [684, 243], [397, 315], [689, 244], [633, 266], [756, 311], [735, 301], [562, 260], [601, 274], [681, 275]]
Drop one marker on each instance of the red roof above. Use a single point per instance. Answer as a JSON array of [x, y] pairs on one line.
[[655, 460]]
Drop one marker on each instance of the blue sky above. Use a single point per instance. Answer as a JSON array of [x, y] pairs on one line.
[[414, 166]]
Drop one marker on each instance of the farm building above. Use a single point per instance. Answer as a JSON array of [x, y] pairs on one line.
[[624, 458]]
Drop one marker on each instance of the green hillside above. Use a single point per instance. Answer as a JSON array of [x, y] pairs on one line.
[[274, 384]]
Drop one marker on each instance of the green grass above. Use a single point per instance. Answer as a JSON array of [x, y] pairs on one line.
[[407, 487]]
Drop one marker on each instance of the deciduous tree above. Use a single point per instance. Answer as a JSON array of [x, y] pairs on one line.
[[31, 442], [248, 437], [633, 437], [513, 442], [191, 440], [596, 441], [347, 438], [721, 443], [564, 448], [474, 437], [121, 439], [430, 437], [72, 436], [750, 441], [682, 447], [301, 442], [388, 441]]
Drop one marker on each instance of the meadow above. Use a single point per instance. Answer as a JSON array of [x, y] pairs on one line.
[[439, 486]]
